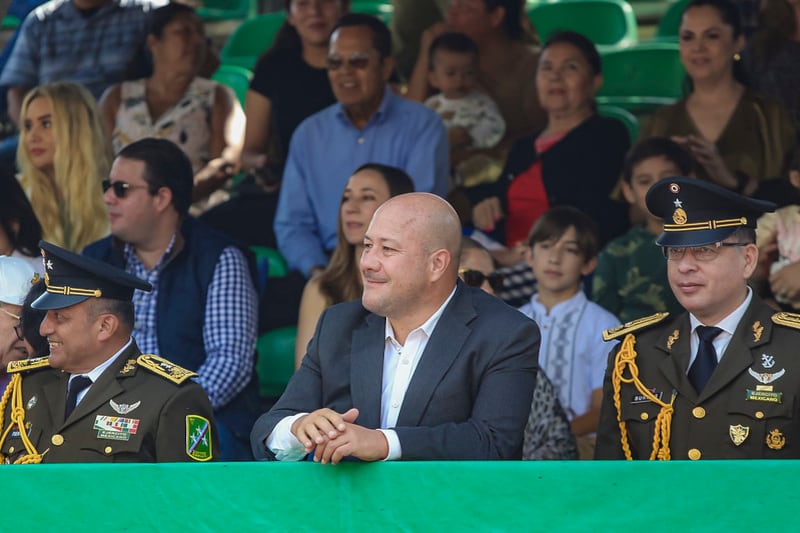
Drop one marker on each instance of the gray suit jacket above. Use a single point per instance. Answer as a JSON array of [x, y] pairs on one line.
[[469, 397]]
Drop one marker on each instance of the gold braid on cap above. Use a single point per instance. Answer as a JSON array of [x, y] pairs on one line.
[[14, 392], [626, 357], [709, 224], [70, 291]]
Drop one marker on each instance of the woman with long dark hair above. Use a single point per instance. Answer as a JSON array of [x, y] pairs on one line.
[[369, 186]]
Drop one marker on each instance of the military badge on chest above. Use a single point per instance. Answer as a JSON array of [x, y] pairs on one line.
[[115, 427], [738, 434], [765, 392]]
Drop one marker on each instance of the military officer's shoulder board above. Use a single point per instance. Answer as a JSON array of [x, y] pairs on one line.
[[791, 320], [633, 325], [165, 369], [26, 365]]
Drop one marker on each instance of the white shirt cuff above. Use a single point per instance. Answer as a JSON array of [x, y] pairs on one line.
[[395, 451], [283, 443]]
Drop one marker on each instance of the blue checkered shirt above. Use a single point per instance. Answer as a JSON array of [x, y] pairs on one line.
[[229, 329], [57, 42]]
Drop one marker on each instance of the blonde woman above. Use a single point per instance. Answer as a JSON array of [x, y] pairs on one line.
[[63, 156]]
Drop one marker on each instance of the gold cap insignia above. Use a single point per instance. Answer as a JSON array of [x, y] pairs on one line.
[[679, 217]]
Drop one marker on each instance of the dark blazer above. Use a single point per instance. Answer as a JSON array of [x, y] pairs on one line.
[[469, 397], [160, 419], [709, 425]]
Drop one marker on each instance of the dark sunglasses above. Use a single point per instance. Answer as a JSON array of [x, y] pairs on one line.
[[475, 278], [357, 61], [121, 188]]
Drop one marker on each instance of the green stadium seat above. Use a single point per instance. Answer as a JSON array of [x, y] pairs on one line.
[[275, 360], [275, 263], [10, 22], [251, 39], [382, 9], [276, 347], [643, 77], [670, 23], [607, 23], [235, 77], [626, 117], [214, 10]]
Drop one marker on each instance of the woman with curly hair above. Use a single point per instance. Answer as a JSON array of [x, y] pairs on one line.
[[63, 156]]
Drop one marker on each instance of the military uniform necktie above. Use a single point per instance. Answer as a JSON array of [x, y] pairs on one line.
[[706, 360], [76, 386]]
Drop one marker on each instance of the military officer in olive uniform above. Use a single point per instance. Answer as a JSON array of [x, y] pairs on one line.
[[721, 381], [96, 398]]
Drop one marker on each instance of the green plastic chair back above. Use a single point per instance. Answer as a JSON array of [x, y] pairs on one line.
[[643, 77], [251, 39], [275, 261], [607, 23], [626, 117], [670, 23], [10, 22], [214, 10], [235, 77], [275, 360], [378, 8]]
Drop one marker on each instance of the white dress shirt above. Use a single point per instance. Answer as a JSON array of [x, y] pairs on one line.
[[399, 363]]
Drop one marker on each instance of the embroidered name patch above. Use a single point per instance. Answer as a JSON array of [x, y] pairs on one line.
[[641, 398], [764, 396]]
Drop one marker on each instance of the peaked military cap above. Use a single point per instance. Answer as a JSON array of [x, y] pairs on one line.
[[697, 212], [71, 278]]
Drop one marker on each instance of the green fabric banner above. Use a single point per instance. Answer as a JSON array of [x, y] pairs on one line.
[[464, 496]]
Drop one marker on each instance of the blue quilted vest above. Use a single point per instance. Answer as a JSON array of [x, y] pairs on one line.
[[180, 310]]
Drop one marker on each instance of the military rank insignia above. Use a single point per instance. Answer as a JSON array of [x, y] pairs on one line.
[[198, 438], [758, 330], [776, 440], [672, 338], [162, 367]]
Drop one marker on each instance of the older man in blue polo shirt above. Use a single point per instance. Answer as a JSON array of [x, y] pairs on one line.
[[367, 124]]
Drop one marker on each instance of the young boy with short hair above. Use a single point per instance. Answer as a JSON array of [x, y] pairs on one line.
[[562, 250], [472, 119], [631, 276]]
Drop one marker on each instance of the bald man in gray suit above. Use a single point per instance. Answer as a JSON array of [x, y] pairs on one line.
[[423, 367]]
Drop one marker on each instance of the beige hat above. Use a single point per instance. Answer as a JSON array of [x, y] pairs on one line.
[[16, 278]]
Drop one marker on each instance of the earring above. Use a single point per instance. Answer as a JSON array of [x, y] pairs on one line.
[[737, 57]]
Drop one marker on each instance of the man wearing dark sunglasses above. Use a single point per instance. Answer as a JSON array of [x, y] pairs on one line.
[[16, 278], [202, 313], [368, 124]]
